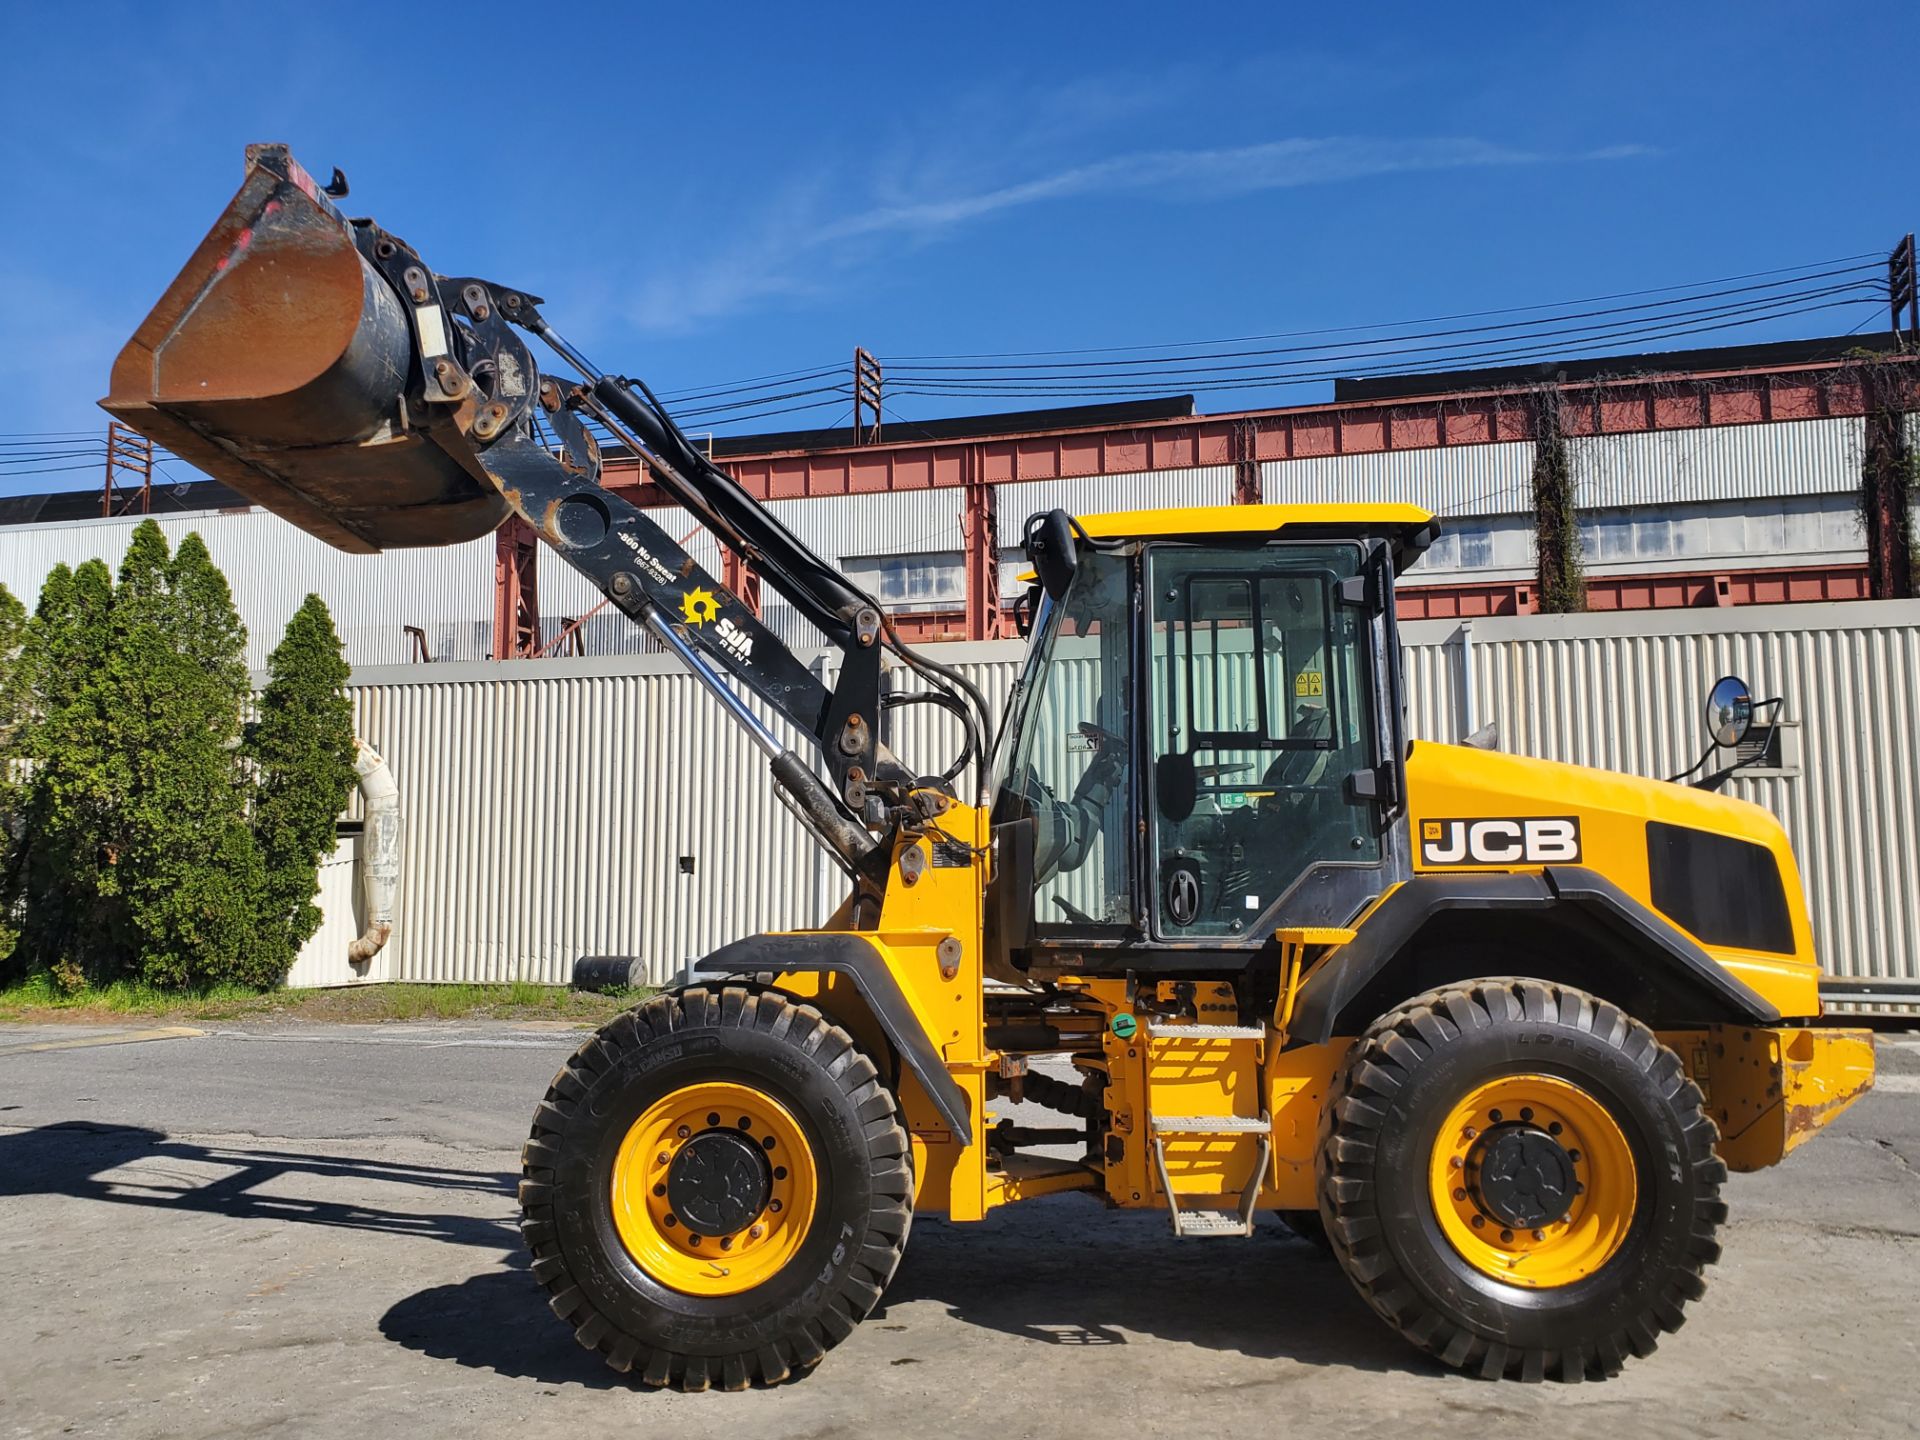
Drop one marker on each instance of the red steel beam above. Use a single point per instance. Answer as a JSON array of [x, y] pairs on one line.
[[1245, 439], [1633, 404]]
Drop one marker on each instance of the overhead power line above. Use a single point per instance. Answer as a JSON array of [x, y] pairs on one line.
[[1866, 255]]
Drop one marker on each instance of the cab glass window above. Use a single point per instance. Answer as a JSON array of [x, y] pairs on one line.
[[1258, 712]]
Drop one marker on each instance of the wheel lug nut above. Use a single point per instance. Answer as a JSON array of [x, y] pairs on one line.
[[1458, 1163], [1469, 1132], [1494, 1116], [1574, 1156], [1539, 1234], [662, 1158], [1506, 1235], [670, 1222], [683, 1131], [713, 1119], [693, 1239], [756, 1232], [1554, 1128], [1459, 1194], [1526, 1112], [773, 1205], [1479, 1221], [659, 1189], [727, 1244]]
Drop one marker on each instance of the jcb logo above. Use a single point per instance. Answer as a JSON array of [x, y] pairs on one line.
[[1530, 841]]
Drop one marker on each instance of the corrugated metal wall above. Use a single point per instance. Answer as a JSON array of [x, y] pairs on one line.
[[1663, 467], [1624, 692], [548, 803], [448, 593], [1092, 495], [271, 567]]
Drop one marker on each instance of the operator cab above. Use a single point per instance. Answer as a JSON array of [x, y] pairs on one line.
[[1205, 742]]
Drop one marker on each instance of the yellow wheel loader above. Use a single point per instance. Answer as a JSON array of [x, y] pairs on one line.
[[1501, 1026]]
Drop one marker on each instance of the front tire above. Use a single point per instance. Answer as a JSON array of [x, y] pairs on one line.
[[1521, 1179], [716, 1189]]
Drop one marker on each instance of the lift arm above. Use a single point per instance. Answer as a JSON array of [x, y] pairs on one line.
[[318, 365]]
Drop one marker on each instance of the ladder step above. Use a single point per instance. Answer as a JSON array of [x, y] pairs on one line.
[[1210, 1124], [1207, 1032], [1188, 1224]]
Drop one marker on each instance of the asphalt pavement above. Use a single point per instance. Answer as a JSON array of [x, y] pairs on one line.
[[309, 1230]]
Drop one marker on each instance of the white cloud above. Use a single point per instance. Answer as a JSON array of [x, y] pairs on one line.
[[799, 254]]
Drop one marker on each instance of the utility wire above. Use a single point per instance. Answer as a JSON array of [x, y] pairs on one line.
[[1543, 347], [1395, 340], [1866, 255]]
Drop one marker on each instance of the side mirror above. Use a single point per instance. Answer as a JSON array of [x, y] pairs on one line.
[[1049, 545], [1176, 786], [1729, 711]]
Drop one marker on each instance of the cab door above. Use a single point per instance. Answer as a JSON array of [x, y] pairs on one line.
[[1272, 722]]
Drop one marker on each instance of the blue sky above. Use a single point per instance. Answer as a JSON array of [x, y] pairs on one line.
[[711, 193]]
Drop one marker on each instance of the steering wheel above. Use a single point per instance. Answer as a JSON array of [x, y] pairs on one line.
[[1294, 770]]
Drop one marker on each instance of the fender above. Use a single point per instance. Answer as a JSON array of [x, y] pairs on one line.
[[1670, 960], [847, 954]]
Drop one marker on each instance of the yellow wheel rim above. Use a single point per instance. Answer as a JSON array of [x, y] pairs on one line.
[[737, 1162], [1517, 1149]]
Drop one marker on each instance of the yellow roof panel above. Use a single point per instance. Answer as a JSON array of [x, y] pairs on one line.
[[1250, 519]]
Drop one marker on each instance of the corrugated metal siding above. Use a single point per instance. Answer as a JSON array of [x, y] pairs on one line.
[[1625, 693], [1460, 480], [546, 814], [1096, 494], [272, 567], [1722, 462], [547, 802]]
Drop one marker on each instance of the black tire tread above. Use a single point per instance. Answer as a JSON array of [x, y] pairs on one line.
[[1386, 1058], [804, 1028]]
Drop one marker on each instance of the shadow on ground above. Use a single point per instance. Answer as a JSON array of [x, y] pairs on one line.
[[1058, 1273], [78, 1159], [1052, 1272]]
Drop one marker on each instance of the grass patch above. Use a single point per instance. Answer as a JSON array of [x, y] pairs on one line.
[[38, 998]]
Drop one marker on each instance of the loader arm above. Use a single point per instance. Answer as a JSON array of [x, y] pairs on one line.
[[321, 367]]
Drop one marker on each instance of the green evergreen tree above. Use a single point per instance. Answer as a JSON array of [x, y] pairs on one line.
[[13, 715], [188, 873], [1562, 579], [60, 872], [302, 751]]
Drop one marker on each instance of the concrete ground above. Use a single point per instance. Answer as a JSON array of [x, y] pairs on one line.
[[309, 1230]]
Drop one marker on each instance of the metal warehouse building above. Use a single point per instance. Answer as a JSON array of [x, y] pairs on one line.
[[548, 800]]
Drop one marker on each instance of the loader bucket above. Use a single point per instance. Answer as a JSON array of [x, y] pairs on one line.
[[278, 361]]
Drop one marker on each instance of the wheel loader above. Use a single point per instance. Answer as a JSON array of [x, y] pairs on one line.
[[1499, 1027]]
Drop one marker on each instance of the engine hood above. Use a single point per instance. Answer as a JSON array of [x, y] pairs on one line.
[[1718, 868]]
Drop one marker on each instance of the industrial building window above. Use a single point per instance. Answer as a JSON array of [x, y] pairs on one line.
[[931, 580]]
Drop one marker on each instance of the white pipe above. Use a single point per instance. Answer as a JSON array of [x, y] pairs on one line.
[[379, 850], [1469, 690]]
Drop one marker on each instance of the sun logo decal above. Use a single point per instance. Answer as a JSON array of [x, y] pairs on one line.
[[699, 606]]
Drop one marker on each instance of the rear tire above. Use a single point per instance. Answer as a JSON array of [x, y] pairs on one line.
[[1489, 1242], [684, 1107]]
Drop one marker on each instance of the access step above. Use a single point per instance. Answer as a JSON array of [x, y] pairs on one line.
[[1202, 1224], [1210, 1124], [1207, 1032]]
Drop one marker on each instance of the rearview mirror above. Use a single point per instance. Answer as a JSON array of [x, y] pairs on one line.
[[1049, 546], [1729, 711]]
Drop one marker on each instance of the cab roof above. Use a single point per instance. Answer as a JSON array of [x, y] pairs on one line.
[[1408, 528]]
